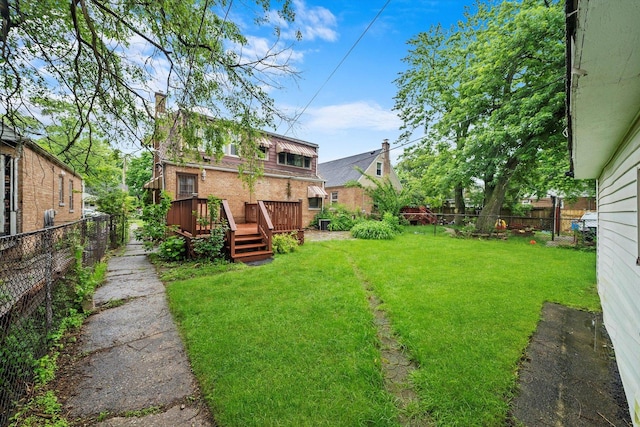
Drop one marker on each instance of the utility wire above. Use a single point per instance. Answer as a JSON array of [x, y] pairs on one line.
[[337, 66]]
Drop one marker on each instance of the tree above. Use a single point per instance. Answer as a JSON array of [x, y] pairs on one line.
[[95, 64], [491, 95], [139, 171], [99, 165]]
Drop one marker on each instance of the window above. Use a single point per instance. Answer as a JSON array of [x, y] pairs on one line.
[[231, 150], [334, 197], [296, 160], [315, 203], [187, 185], [60, 190], [378, 168], [263, 152], [70, 195]]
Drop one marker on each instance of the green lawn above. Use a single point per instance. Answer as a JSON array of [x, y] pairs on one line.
[[293, 342]]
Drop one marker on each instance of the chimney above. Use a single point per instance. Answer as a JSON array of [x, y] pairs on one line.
[[161, 103], [386, 157]]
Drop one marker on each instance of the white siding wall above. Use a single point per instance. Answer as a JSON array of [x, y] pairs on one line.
[[618, 274]]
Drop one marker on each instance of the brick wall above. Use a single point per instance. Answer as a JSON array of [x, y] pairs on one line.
[[39, 181], [227, 185], [353, 198]]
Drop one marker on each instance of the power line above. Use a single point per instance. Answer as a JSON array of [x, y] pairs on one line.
[[337, 66]]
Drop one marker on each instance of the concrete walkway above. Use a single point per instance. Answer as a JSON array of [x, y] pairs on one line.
[[133, 370]]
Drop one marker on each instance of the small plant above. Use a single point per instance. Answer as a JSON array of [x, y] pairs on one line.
[[210, 247], [393, 222], [154, 229], [172, 249], [284, 243], [373, 230]]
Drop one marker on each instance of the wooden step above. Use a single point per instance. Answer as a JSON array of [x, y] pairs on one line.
[[248, 238], [252, 256], [253, 246]]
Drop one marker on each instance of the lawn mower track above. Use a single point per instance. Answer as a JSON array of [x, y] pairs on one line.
[[568, 375]]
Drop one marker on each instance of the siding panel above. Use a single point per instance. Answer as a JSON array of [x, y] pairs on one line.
[[618, 274]]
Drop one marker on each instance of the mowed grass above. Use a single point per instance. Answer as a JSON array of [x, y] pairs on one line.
[[294, 343]]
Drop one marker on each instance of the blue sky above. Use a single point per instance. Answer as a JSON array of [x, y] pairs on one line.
[[353, 112]]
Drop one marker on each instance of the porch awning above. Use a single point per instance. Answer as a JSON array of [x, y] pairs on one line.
[[295, 149], [315, 191], [154, 184], [264, 142]]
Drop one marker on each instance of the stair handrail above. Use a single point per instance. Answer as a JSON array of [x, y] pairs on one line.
[[265, 226], [225, 213]]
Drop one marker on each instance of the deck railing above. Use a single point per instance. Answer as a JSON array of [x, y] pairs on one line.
[[265, 226], [185, 214], [225, 214], [285, 216]]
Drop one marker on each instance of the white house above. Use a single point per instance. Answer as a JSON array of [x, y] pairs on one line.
[[603, 67]]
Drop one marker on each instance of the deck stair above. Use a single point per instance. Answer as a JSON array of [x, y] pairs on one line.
[[249, 245]]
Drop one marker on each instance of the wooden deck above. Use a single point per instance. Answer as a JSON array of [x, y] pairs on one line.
[[248, 241]]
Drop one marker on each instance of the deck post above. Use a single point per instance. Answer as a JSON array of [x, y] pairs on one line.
[[194, 220]]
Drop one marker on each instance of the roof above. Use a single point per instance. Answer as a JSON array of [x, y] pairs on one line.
[[338, 172], [12, 138], [604, 84]]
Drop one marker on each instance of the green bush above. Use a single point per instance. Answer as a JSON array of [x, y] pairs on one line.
[[284, 243], [210, 247], [172, 249], [393, 222], [373, 230], [154, 216], [342, 219]]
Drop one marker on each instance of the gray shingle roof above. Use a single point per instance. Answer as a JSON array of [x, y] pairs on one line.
[[339, 172]]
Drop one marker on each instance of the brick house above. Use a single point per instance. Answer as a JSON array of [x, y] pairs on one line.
[[289, 182], [37, 189], [341, 174]]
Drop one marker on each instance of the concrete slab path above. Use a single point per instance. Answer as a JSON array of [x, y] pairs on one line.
[[133, 360]]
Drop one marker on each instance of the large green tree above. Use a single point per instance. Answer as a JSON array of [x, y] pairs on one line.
[[489, 94], [139, 171], [97, 63]]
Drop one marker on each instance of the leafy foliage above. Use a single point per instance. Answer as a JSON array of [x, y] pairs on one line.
[[283, 243], [342, 219], [139, 172], [71, 62], [154, 229], [210, 247], [490, 93], [373, 230], [173, 248]]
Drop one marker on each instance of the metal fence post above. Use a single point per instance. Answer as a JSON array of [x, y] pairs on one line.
[[48, 250]]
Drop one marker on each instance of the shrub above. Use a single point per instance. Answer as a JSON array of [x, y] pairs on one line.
[[393, 222], [284, 243], [172, 249], [373, 230], [210, 247], [154, 229], [342, 219]]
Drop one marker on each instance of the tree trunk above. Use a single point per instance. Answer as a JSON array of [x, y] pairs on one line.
[[460, 205], [494, 199]]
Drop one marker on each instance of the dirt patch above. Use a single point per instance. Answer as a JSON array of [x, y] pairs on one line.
[[312, 235], [568, 376]]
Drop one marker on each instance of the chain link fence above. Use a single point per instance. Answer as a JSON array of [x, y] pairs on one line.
[[35, 296]]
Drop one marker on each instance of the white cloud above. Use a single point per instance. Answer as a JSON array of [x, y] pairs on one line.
[[315, 22], [356, 115]]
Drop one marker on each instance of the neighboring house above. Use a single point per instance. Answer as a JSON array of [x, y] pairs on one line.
[[341, 175], [37, 189], [289, 180], [603, 67]]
